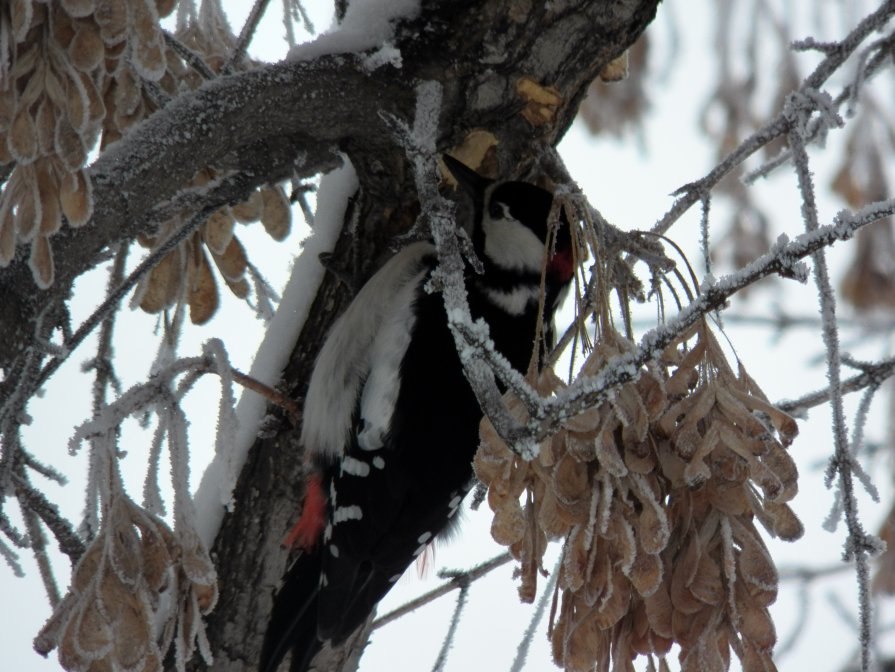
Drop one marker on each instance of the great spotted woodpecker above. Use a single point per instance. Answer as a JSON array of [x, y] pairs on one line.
[[392, 422]]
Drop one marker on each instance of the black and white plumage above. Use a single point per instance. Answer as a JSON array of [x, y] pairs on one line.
[[392, 422]]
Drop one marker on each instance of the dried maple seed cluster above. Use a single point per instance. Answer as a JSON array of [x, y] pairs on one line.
[[134, 574], [51, 114], [655, 493], [185, 274], [85, 71]]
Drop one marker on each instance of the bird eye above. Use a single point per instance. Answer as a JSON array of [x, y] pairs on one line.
[[497, 210]]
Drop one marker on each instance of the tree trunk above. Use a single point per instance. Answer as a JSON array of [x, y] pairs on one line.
[[483, 54]]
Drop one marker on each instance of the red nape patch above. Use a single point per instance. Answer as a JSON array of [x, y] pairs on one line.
[[309, 527], [561, 266]]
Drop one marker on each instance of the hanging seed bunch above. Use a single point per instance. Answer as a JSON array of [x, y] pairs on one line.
[[55, 83], [52, 77], [137, 589], [655, 493], [75, 73], [185, 274]]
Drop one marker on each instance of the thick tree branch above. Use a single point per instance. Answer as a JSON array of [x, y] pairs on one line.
[[477, 52]]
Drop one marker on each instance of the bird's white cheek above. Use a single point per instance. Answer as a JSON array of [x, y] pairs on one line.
[[512, 245]]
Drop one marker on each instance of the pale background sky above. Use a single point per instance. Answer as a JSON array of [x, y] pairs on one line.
[[631, 187]]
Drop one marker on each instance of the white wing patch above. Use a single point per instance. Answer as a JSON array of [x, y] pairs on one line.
[[343, 513], [384, 382], [346, 358], [354, 467]]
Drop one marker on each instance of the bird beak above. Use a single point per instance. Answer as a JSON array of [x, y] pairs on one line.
[[465, 176]]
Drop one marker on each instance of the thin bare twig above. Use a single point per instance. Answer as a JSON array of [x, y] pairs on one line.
[[39, 551], [190, 57], [455, 583], [246, 35], [859, 545], [34, 500], [872, 375]]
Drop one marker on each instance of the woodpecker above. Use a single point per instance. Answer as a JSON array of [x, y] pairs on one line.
[[391, 421]]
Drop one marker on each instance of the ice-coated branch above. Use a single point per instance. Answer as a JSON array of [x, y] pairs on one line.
[[784, 259], [859, 545], [420, 145], [246, 34], [872, 376], [33, 500]]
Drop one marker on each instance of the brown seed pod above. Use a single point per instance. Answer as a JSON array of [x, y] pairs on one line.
[[86, 50], [276, 215], [41, 262]]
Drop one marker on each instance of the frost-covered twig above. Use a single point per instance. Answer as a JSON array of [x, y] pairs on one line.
[[112, 299], [102, 363], [419, 143], [881, 57], [783, 259], [546, 598], [860, 545], [872, 376], [33, 500], [13, 407], [39, 551], [246, 34], [694, 192], [265, 295], [8, 530], [105, 377], [192, 59], [44, 470], [469, 576], [462, 597], [202, 201], [144, 395]]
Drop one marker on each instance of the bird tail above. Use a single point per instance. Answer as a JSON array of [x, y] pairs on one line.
[[293, 620]]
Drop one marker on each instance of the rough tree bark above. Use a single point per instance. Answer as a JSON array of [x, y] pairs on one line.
[[478, 52]]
